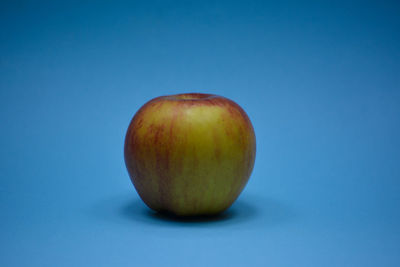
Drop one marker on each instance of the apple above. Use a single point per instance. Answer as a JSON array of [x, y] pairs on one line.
[[190, 154]]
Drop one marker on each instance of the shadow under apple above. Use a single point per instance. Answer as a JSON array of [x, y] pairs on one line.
[[247, 209], [239, 211]]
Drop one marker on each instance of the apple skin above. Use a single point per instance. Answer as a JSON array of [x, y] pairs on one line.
[[190, 154]]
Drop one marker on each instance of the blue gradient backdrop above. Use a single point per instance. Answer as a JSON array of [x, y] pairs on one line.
[[320, 81]]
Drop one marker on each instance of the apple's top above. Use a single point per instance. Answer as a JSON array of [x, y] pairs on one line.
[[190, 96]]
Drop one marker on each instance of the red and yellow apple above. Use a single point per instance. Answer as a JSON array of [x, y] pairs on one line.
[[190, 154]]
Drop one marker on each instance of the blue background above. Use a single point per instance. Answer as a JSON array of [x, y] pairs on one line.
[[320, 81]]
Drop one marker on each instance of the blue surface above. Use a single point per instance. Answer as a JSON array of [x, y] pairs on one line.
[[319, 80]]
